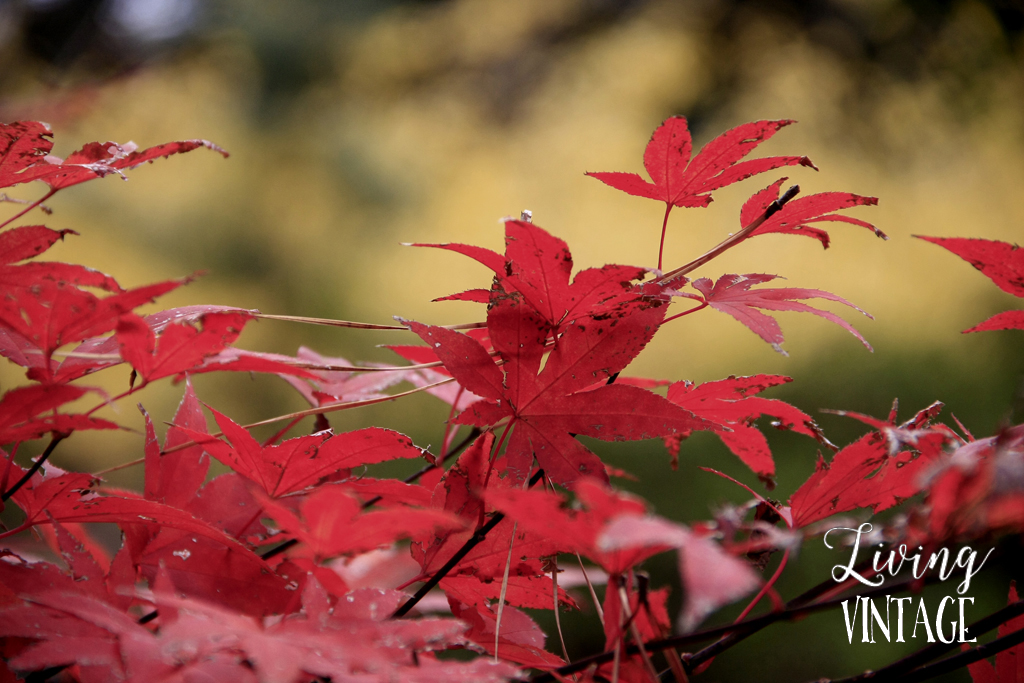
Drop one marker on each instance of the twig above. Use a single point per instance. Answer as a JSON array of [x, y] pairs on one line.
[[54, 440], [28, 208], [719, 631], [356, 325], [475, 539], [732, 241], [964, 658]]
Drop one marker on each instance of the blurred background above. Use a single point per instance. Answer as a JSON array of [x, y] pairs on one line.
[[356, 125]]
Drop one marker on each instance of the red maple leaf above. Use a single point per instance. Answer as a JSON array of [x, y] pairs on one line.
[[27, 242], [30, 412], [1001, 262], [680, 181], [538, 266], [181, 346], [732, 294], [731, 403], [877, 471], [798, 215], [549, 405], [22, 144], [44, 305], [304, 461], [331, 522]]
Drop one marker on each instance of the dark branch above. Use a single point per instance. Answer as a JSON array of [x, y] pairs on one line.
[[476, 538], [54, 440], [718, 632]]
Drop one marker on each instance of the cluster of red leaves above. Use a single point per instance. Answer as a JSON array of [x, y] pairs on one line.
[[193, 593]]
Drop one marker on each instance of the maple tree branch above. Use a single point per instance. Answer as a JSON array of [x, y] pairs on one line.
[[54, 440], [901, 667], [963, 659], [733, 240], [471, 543], [808, 596], [664, 226], [334, 407], [756, 623], [28, 208], [356, 325]]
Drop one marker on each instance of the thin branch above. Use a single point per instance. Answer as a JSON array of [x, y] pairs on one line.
[[719, 631], [321, 410], [732, 241], [54, 440], [356, 325], [971, 656], [28, 208], [473, 541]]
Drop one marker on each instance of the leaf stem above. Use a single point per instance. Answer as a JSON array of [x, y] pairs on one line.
[[687, 312], [355, 325], [664, 226], [28, 208]]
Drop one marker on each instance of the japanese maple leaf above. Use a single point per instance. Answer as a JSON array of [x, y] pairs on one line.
[[45, 305], [870, 473], [180, 347], [1001, 262], [1009, 666], [27, 242], [520, 639], [798, 215], [97, 353], [30, 412], [579, 531], [331, 522], [732, 294], [304, 461], [25, 155], [22, 144], [548, 406], [538, 266], [175, 478], [731, 403], [680, 181]]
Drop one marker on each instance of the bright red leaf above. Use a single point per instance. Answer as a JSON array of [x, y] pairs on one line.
[[678, 181], [731, 405], [1001, 262], [798, 216], [28, 241]]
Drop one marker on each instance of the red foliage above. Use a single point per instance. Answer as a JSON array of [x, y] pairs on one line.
[[254, 574]]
